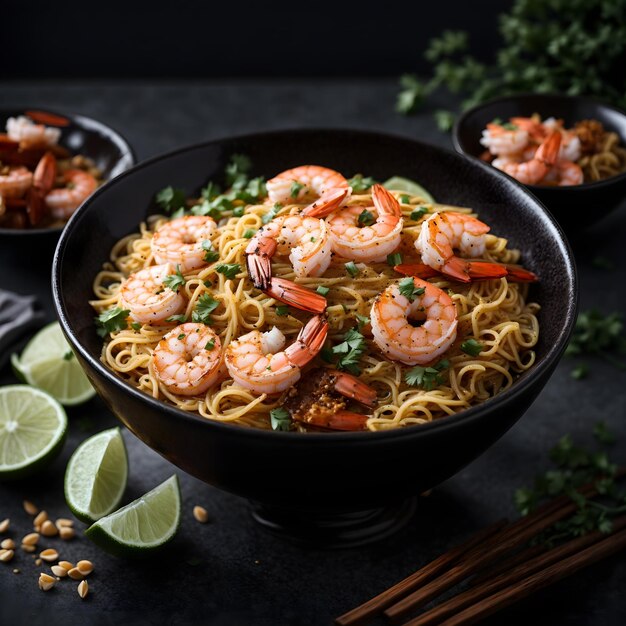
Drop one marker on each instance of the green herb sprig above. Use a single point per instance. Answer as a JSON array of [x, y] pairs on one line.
[[427, 377], [351, 349], [112, 320]]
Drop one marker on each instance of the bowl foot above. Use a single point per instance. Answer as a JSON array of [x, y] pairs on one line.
[[334, 530]]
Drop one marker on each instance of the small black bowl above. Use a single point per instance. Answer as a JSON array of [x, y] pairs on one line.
[[575, 207], [111, 153], [302, 482]]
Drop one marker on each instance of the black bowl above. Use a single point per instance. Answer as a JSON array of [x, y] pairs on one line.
[[299, 479], [576, 207], [82, 135]]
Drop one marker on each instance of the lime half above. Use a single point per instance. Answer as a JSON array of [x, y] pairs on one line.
[[96, 475], [143, 526], [32, 430], [48, 362], [397, 183]]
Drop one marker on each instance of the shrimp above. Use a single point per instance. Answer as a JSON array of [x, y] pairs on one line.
[[147, 298], [477, 270], [180, 240], [257, 361], [398, 339], [64, 201], [29, 134], [305, 183], [565, 173], [502, 141], [307, 241], [15, 181], [370, 243], [187, 360], [570, 142], [534, 170]]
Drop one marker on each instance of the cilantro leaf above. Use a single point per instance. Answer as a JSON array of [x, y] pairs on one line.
[[362, 320], [409, 290], [205, 305], [272, 213], [366, 218], [419, 213], [351, 350], [296, 187], [111, 320], [174, 281], [170, 199], [472, 347], [230, 270], [210, 254], [249, 233], [404, 199], [181, 318], [236, 172], [280, 419], [394, 259], [210, 344], [282, 310], [360, 184], [427, 377]]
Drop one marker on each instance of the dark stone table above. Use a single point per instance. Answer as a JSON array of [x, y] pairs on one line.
[[230, 571]]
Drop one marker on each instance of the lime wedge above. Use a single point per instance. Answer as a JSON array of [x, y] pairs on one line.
[[397, 183], [48, 362], [32, 430], [95, 478], [143, 526]]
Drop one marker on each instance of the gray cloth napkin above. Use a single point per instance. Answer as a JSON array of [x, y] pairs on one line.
[[17, 315]]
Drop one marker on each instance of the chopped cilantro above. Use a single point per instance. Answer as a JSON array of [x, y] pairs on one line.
[[360, 184], [419, 213], [409, 290], [352, 269], [351, 350], [205, 305], [210, 344], [427, 377], [171, 199], [323, 291], [112, 320], [280, 419], [394, 259], [181, 336], [136, 326], [366, 218], [472, 347], [210, 254], [404, 199], [180, 318], [282, 310], [296, 187], [362, 320], [238, 211], [250, 232], [174, 281], [271, 214], [237, 170], [230, 270]]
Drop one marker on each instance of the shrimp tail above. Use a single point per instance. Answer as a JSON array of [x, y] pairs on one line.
[[351, 387], [295, 295], [548, 151], [308, 342], [341, 420], [328, 202], [259, 253], [457, 268], [385, 202], [43, 180], [484, 270], [476, 270], [420, 270], [519, 274]]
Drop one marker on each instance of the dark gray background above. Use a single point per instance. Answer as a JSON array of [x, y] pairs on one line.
[[231, 571]]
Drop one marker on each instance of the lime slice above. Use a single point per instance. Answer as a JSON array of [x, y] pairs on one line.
[[32, 430], [143, 526], [95, 478], [48, 362], [397, 183]]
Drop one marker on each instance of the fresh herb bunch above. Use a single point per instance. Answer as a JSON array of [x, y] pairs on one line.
[[600, 335], [576, 466], [548, 46]]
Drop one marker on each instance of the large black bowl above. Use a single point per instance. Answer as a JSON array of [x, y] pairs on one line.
[[575, 207], [301, 479], [111, 153]]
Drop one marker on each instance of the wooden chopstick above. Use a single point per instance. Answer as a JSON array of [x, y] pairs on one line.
[[369, 609], [508, 579], [521, 589], [507, 565]]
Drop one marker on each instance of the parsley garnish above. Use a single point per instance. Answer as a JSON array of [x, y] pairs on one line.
[[419, 213], [238, 211], [174, 281], [170, 199], [205, 305], [250, 232], [352, 349], [409, 290], [282, 310], [180, 318], [366, 218], [210, 344], [68, 356], [210, 254], [394, 259], [404, 199], [352, 269], [362, 320], [427, 377], [136, 326], [230, 270], [112, 320], [360, 184], [272, 213], [296, 187], [181, 336], [280, 419], [472, 347], [323, 291], [237, 170]]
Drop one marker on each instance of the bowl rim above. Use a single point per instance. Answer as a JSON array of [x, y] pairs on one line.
[[127, 151], [606, 182], [545, 365]]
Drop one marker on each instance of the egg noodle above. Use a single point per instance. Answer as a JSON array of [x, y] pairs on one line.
[[608, 160], [493, 312]]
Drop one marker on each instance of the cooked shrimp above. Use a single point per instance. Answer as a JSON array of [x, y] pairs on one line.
[[15, 182], [398, 339], [570, 142], [565, 173], [29, 134], [257, 361], [311, 182], [64, 201], [307, 241], [534, 170], [371, 243], [502, 141], [180, 240], [147, 298], [187, 359]]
